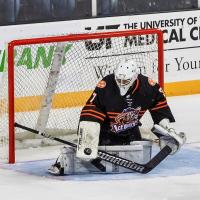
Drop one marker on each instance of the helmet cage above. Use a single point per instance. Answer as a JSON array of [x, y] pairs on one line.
[[122, 82], [125, 74]]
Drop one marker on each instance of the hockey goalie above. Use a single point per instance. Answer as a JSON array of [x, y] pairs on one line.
[[110, 120]]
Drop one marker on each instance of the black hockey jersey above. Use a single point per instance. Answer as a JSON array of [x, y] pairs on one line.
[[119, 114]]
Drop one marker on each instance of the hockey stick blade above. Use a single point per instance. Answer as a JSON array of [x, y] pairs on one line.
[[103, 155], [141, 168]]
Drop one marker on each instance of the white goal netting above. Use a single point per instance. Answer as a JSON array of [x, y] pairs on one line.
[[54, 77]]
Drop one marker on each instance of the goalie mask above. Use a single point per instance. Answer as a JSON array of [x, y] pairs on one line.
[[125, 74]]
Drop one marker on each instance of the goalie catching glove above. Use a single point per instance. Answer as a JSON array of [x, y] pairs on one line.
[[88, 140], [168, 136]]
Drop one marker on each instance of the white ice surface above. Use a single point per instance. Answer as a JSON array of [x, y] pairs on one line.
[[176, 178]]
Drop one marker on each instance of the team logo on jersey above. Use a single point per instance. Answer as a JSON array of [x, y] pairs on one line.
[[101, 84], [126, 120], [151, 82]]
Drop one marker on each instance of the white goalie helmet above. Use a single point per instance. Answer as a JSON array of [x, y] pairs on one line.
[[125, 74]]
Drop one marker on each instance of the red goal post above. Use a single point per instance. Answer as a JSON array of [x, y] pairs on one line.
[[101, 40]]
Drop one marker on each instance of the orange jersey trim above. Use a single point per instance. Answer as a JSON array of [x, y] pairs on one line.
[[93, 111], [157, 108], [162, 102], [113, 113], [88, 114], [112, 117], [92, 105], [137, 85]]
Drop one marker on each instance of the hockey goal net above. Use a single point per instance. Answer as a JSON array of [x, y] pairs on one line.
[[48, 80]]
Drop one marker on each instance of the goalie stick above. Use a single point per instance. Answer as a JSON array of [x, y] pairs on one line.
[[103, 155]]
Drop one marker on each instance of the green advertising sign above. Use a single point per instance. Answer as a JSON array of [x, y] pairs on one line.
[[43, 56]]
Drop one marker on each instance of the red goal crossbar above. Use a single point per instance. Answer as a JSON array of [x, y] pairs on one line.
[[75, 37]]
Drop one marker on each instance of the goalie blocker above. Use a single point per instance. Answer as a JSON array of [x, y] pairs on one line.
[[88, 140]]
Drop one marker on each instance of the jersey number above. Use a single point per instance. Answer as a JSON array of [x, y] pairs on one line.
[[93, 97]]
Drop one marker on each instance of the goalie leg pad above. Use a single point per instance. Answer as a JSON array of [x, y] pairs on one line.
[[68, 163], [64, 162], [88, 140]]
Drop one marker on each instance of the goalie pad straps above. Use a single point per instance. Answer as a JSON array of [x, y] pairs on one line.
[[88, 140]]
